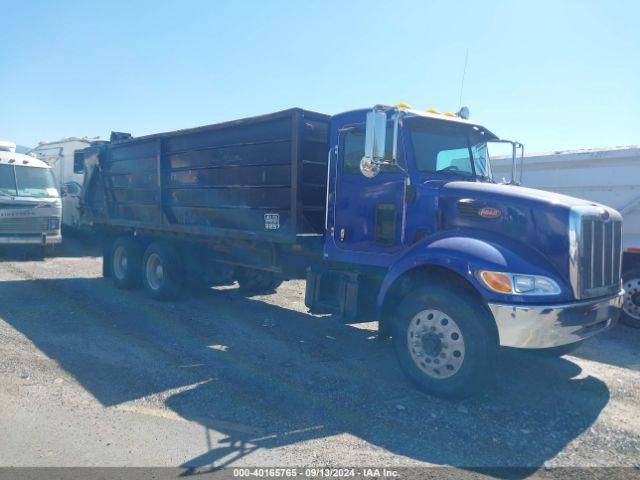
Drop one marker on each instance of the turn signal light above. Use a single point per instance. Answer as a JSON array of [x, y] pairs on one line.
[[497, 281]]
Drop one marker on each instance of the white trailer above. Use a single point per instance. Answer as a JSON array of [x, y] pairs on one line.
[[59, 155], [610, 176]]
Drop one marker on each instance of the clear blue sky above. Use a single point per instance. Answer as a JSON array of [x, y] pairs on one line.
[[554, 75]]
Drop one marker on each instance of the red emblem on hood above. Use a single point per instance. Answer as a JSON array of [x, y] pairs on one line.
[[489, 212]]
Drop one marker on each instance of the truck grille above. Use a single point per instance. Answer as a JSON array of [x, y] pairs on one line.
[[26, 225], [599, 262]]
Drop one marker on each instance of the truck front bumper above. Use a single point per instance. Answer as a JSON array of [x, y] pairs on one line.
[[544, 326], [43, 239]]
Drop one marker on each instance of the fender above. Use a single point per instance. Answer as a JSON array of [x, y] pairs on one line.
[[464, 252]]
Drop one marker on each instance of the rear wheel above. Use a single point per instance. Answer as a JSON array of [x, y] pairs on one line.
[[444, 341], [161, 272], [126, 257], [256, 282], [631, 306]]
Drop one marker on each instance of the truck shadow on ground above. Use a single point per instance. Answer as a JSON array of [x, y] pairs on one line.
[[259, 376]]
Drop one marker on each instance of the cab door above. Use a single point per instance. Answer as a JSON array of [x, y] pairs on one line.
[[368, 215]]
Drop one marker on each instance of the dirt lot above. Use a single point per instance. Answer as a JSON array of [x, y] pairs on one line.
[[97, 376]]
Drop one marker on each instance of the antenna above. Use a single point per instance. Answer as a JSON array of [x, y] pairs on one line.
[[464, 72]]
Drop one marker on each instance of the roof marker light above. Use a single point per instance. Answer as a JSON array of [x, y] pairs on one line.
[[449, 114], [433, 110], [403, 105]]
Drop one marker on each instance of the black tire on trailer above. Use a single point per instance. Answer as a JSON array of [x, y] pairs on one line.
[[630, 314], [257, 282], [162, 274], [445, 340], [125, 259]]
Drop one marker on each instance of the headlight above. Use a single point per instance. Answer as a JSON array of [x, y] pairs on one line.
[[54, 223], [518, 284]]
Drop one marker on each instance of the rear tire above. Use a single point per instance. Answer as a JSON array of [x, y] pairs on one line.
[[444, 341], [125, 260], [630, 314], [162, 274], [257, 282]]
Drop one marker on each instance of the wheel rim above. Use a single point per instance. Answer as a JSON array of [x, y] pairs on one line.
[[120, 262], [631, 305], [435, 343], [155, 271]]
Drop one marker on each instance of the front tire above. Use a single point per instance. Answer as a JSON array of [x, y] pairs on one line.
[[444, 341], [631, 307], [162, 274]]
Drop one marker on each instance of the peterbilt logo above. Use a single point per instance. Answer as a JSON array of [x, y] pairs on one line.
[[604, 215], [489, 212]]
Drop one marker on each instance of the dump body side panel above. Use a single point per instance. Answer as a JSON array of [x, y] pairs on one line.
[[263, 177]]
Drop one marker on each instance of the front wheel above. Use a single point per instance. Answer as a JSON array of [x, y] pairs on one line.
[[444, 341], [631, 306]]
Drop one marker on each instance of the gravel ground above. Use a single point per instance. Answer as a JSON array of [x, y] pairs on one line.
[[95, 376]]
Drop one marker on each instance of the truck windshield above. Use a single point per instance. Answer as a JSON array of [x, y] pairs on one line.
[[19, 181], [447, 147]]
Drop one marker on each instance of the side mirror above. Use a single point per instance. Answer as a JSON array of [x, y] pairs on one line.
[[374, 143]]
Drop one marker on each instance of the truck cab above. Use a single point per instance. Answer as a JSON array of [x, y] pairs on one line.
[[30, 207], [411, 201]]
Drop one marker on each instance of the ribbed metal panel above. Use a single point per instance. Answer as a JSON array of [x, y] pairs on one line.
[[600, 250], [24, 225]]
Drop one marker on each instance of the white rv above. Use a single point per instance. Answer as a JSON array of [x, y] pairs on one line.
[[59, 155], [610, 176], [30, 207]]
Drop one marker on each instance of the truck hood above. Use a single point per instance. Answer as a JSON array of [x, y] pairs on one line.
[[513, 192], [533, 219]]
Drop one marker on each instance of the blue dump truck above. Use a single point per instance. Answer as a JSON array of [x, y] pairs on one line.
[[390, 214]]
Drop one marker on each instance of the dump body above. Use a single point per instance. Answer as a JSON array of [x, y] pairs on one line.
[[261, 177]]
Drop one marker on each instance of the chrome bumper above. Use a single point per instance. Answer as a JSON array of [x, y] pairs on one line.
[[43, 239], [544, 326]]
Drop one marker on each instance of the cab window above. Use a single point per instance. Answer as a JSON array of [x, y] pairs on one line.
[[7, 180], [439, 148]]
